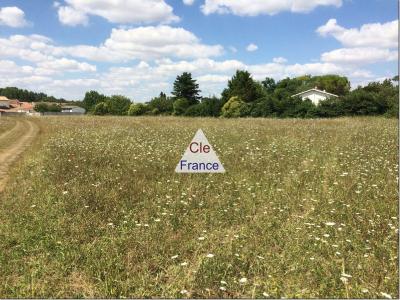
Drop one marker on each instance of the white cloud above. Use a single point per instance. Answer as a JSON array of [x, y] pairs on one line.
[[359, 56], [44, 57], [376, 35], [12, 16], [213, 79], [148, 43], [188, 2], [371, 43], [279, 60], [252, 47], [117, 11], [72, 17], [279, 71], [263, 7], [64, 64], [8, 67], [33, 48]]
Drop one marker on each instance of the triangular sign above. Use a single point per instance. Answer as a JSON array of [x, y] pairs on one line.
[[199, 157]]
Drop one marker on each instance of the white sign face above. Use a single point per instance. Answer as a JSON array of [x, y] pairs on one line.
[[199, 157]]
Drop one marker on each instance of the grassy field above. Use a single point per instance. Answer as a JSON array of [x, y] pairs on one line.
[[307, 208]]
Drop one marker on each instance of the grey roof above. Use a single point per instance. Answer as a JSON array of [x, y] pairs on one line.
[[315, 90]]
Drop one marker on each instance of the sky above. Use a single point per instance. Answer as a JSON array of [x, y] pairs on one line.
[[137, 48]]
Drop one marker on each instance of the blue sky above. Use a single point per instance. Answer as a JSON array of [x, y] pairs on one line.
[[137, 48]]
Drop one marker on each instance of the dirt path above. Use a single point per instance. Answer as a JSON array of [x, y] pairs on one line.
[[13, 151]]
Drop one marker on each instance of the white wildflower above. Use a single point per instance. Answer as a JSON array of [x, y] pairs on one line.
[[243, 280], [344, 279], [386, 295]]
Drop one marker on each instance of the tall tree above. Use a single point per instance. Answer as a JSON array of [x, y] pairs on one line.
[[335, 84], [242, 85], [269, 85], [118, 105], [91, 99], [186, 87]]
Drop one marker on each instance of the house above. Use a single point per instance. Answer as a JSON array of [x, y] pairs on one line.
[[315, 95], [14, 107], [21, 107], [71, 109], [4, 102]]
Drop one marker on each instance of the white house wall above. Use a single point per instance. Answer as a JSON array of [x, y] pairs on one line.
[[314, 97]]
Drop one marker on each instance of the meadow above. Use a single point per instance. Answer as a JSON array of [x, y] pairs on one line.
[[306, 208]]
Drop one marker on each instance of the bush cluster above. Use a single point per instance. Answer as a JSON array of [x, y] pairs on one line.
[[47, 107]]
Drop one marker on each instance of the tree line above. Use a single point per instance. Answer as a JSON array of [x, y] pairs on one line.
[[28, 96], [246, 97]]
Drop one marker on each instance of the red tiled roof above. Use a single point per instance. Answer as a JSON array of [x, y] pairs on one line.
[[16, 106]]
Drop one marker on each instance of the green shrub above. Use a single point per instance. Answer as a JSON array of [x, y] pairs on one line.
[[209, 107], [92, 98], [47, 107], [180, 106], [362, 102], [194, 111], [101, 109], [137, 109], [234, 108], [118, 105], [161, 105], [263, 107], [329, 108]]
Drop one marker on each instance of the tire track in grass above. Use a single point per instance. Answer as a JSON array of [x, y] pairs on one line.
[[12, 152], [16, 127]]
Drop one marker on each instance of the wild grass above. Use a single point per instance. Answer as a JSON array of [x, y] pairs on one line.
[[307, 208], [6, 124]]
